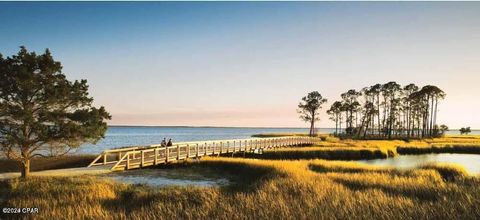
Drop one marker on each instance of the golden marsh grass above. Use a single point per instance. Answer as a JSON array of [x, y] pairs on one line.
[[301, 189], [336, 149]]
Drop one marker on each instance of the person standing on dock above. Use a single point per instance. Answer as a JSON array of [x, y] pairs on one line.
[[164, 142], [169, 142]]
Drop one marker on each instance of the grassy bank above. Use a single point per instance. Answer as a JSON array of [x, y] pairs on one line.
[[314, 189], [336, 149], [466, 144], [47, 163], [463, 149], [328, 153]]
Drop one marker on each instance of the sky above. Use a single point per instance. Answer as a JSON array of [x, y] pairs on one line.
[[250, 63]]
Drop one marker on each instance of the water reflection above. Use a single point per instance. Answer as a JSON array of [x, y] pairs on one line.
[[471, 162], [168, 177]]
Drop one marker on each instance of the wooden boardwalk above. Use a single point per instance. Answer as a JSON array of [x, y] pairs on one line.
[[138, 157]]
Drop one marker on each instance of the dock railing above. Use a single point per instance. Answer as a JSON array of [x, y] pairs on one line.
[[137, 157]]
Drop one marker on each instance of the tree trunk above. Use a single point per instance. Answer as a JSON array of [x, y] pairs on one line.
[[336, 123], [384, 115], [366, 127], [356, 118], [409, 119], [346, 119], [378, 113], [340, 123], [431, 118], [435, 116], [360, 128], [26, 168], [425, 117], [412, 127], [311, 129], [312, 122]]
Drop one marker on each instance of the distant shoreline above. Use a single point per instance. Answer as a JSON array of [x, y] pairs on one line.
[[192, 126], [188, 126]]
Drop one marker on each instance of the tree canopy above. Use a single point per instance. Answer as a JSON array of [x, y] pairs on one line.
[[465, 130], [309, 108], [389, 110], [41, 112]]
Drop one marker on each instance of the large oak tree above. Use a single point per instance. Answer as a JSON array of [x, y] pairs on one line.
[[41, 112]]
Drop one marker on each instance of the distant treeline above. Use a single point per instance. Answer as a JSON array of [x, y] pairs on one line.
[[388, 111]]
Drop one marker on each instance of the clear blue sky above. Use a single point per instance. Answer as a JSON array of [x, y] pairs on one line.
[[248, 64]]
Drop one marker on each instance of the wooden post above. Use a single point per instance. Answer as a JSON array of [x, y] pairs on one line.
[[143, 159], [178, 152], [244, 149], [155, 161], [167, 154], [197, 150], [105, 158], [188, 151], [128, 161]]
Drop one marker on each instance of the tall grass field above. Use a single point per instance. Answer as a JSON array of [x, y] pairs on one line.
[[266, 189]]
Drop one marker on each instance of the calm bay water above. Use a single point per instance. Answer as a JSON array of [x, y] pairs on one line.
[[118, 136], [471, 162], [121, 136]]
